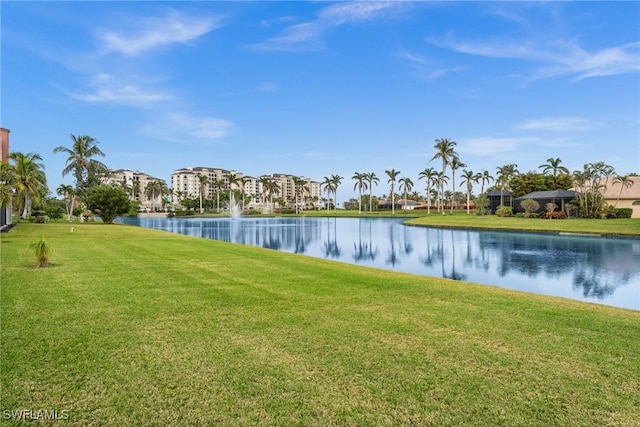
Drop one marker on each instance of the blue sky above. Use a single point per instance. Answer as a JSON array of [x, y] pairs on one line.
[[322, 88]]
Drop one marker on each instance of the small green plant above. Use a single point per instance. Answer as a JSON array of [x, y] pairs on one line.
[[504, 211], [41, 249], [529, 206]]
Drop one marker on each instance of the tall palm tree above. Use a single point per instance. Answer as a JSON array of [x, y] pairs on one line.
[[405, 186], [218, 185], [265, 184], [429, 174], [234, 181], [371, 179], [392, 174], [337, 180], [329, 187], [30, 179], [505, 174], [469, 178], [454, 164], [624, 181], [360, 183], [203, 180], [485, 178], [445, 151], [81, 161], [441, 181], [243, 182], [299, 188]]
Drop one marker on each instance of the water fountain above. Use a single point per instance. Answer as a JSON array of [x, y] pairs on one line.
[[235, 210]]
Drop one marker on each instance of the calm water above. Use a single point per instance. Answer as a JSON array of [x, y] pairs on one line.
[[593, 269]]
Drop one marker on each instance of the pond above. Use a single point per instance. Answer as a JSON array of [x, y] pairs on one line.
[[586, 268]]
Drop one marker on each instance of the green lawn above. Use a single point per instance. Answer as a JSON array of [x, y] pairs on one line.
[[131, 326]]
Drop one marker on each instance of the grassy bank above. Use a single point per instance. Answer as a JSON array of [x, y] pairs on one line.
[[131, 326]]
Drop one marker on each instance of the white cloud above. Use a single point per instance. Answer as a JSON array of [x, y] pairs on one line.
[[559, 124], [105, 88], [151, 33], [182, 127], [305, 36], [556, 58]]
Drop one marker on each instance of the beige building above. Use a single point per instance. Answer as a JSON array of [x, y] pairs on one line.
[[622, 196], [135, 184], [186, 183]]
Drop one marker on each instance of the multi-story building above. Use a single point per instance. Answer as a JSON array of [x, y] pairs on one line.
[[5, 212], [185, 183], [135, 183]]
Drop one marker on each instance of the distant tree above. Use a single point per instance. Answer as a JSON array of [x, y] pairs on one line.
[[360, 179], [218, 185], [553, 165], [454, 164], [445, 151], [329, 187], [469, 178], [430, 175], [337, 180], [371, 179], [392, 174], [405, 186], [485, 178], [108, 201], [505, 174]]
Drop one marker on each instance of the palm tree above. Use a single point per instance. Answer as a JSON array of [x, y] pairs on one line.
[[445, 150], [392, 174], [505, 173], [405, 185], [371, 179], [243, 182], [299, 188], [203, 181], [469, 178], [7, 184], [485, 177], [329, 187], [454, 164], [66, 191], [624, 181], [553, 165], [218, 185], [81, 161], [430, 175], [441, 180], [234, 180], [337, 180], [30, 179], [360, 183]]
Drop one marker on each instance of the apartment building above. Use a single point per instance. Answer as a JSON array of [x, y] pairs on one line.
[[135, 183], [5, 213], [185, 182]]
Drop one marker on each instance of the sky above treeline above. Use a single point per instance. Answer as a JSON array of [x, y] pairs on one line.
[[321, 88]]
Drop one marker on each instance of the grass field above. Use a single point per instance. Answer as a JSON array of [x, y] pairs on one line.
[[131, 326]]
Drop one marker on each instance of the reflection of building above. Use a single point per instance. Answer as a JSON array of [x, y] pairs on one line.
[[5, 213], [135, 184]]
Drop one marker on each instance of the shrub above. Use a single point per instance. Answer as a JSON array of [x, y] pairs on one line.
[[504, 211], [529, 206], [624, 212], [109, 201], [520, 215], [555, 215], [534, 215], [41, 250]]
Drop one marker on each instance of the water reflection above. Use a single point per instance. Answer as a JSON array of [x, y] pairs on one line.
[[603, 270]]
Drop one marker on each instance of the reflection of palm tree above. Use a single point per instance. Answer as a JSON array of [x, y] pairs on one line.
[[364, 251], [393, 255], [454, 274], [331, 248]]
